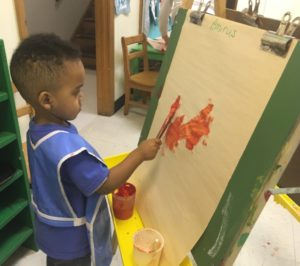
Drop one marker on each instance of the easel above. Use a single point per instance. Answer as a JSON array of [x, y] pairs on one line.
[[264, 158], [243, 198]]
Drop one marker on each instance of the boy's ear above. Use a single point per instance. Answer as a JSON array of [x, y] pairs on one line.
[[45, 99]]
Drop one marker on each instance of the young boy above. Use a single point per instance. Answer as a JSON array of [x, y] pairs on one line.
[[69, 178]]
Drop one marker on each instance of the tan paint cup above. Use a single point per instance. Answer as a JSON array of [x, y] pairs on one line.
[[147, 247]]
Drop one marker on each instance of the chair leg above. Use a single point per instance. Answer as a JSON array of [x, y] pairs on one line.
[[127, 99], [146, 97]]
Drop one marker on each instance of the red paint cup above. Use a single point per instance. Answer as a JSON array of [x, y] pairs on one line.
[[123, 200]]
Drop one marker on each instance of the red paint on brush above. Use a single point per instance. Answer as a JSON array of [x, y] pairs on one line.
[[192, 131], [169, 117]]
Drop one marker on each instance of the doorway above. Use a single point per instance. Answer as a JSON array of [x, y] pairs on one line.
[[104, 18]]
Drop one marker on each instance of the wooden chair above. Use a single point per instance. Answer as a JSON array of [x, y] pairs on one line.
[[144, 80]]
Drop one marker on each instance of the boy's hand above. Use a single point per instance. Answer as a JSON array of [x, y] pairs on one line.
[[149, 148]]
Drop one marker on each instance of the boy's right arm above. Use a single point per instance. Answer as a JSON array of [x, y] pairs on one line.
[[118, 175]]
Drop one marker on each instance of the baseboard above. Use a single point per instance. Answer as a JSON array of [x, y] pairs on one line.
[[119, 103]]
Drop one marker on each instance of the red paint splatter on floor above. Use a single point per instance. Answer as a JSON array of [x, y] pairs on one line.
[[192, 131]]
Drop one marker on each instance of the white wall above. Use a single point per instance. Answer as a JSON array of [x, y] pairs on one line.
[[10, 35], [274, 8], [9, 28], [61, 18], [124, 26]]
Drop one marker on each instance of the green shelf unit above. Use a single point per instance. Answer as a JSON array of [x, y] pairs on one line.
[[13, 241], [16, 218], [18, 173], [11, 210], [6, 138]]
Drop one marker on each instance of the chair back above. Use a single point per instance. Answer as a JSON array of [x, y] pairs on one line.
[[128, 56]]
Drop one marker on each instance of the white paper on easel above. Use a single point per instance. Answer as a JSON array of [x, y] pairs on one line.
[[220, 63]]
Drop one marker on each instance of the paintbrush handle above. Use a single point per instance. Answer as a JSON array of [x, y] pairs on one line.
[[164, 127], [169, 118]]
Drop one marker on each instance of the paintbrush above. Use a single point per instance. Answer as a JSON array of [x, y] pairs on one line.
[[287, 190], [169, 118]]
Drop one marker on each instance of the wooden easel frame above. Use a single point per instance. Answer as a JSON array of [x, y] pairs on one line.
[[246, 195]]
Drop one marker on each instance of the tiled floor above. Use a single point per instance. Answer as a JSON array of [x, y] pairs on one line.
[[274, 241]]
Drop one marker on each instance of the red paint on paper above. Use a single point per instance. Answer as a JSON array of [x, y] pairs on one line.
[[173, 133], [192, 131]]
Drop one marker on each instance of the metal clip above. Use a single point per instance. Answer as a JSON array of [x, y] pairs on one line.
[[284, 23], [250, 14], [295, 24], [279, 41], [255, 12], [196, 17]]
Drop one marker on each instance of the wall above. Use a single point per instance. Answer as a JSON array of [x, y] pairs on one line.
[[9, 28], [124, 26], [61, 18], [274, 8], [10, 35]]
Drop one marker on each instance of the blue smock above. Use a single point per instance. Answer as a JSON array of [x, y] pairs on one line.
[[50, 202]]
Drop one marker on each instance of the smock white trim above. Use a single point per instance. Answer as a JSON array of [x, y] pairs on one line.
[[41, 140], [91, 229], [59, 176], [77, 221]]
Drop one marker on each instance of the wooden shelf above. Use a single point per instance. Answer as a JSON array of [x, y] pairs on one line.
[[12, 240], [6, 138], [11, 210], [12, 179], [3, 96]]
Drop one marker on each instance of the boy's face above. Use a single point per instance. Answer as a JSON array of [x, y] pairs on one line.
[[68, 96]]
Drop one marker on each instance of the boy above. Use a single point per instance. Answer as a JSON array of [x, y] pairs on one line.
[[69, 178]]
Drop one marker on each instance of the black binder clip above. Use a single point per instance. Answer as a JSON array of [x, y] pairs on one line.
[[279, 42], [196, 17]]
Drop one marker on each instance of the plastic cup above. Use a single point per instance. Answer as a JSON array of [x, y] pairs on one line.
[[147, 247], [123, 200]]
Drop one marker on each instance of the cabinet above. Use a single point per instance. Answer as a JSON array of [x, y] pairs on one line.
[[16, 219]]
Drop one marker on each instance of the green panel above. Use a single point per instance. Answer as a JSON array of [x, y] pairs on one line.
[[11, 180], [9, 211], [3, 96], [153, 54], [6, 138], [13, 239], [254, 169]]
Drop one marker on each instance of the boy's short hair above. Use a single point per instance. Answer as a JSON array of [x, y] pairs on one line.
[[37, 62]]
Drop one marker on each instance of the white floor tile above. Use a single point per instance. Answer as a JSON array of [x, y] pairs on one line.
[[26, 257], [271, 241]]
